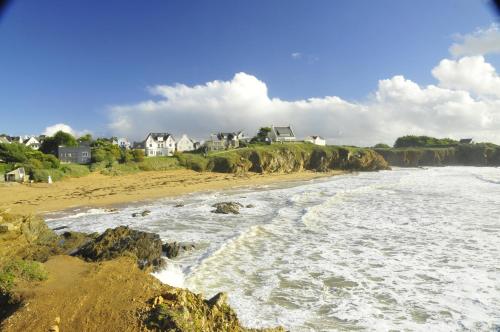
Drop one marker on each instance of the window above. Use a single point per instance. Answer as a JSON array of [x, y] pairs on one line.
[[150, 153], [85, 154]]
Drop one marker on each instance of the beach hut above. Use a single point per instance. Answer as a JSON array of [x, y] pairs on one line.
[[17, 175]]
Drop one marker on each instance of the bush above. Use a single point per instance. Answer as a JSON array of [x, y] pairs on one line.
[[423, 141], [193, 161], [158, 164], [381, 146], [75, 170], [138, 155], [20, 269]]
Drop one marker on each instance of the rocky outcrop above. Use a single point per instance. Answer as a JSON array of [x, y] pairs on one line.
[[288, 158], [179, 310], [227, 207], [173, 249], [123, 241], [463, 154], [141, 214]]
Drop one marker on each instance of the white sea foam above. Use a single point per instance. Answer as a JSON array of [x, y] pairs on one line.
[[408, 249], [171, 275]]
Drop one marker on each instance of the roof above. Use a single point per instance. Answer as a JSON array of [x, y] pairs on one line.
[[156, 135], [19, 170], [4, 139], [316, 137], [283, 131]]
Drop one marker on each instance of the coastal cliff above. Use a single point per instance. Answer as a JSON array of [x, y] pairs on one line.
[[45, 287], [287, 158], [459, 155]]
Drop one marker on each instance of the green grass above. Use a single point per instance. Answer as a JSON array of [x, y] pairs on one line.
[[149, 164], [20, 269], [57, 174]]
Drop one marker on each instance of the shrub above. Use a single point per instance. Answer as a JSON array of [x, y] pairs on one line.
[[138, 155], [381, 146], [159, 164], [20, 269], [193, 161], [423, 141]]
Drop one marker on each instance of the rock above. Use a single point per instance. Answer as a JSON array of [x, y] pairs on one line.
[[59, 228], [179, 205], [54, 328], [173, 249], [111, 210], [7, 227], [249, 206], [227, 207], [123, 241], [57, 320], [219, 300], [141, 214]]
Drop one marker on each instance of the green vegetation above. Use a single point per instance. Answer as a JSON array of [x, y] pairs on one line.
[[19, 269], [50, 144], [36, 163], [423, 141], [381, 146], [262, 135]]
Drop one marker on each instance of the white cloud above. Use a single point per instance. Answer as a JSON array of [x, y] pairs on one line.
[[296, 55], [51, 130], [458, 105], [472, 74], [480, 42]]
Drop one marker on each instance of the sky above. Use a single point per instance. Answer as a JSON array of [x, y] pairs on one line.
[[353, 71]]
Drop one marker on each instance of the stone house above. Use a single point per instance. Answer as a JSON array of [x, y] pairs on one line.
[[74, 154]]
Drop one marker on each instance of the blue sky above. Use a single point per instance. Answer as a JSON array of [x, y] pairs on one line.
[[70, 61]]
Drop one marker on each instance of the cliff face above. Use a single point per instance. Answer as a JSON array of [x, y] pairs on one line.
[[465, 155], [289, 158]]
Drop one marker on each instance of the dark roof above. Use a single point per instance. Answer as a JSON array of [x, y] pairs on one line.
[[284, 131], [466, 140], [138, 145], [156, 135]]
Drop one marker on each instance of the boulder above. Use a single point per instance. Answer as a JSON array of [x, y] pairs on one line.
[[141, 214], [173, 249], [249, 206], [227, 207], [123, 241], [179, 205]]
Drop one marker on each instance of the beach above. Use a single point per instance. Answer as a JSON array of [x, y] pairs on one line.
[[98, 190]]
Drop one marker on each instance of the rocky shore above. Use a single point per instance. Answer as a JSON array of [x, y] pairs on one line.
[[93, 282]]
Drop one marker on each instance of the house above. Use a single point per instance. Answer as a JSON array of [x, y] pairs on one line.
[[4, 140], [122, 143], [224, 141], [282, 134], [185, 144], [138, 146], [159, 144], [466, 141], [17, 175], [74, 154], [318, 140], [32, 142]]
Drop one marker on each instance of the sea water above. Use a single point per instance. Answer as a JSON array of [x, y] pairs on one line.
[[407, 249]]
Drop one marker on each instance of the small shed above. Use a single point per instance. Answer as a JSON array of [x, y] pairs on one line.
[[17, 175]]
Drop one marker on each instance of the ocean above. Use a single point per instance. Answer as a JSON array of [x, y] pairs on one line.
[[407, 249]]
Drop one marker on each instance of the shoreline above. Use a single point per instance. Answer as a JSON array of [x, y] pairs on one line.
[[102, 191]]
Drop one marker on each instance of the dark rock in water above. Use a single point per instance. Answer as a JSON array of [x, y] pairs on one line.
[[218, 299], [227, 207], [123, 241], [179, 205], [59, 228], [141, 214], [173, 249], [249, 206]]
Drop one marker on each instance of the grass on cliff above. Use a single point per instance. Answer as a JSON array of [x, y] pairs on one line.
[[19, 269], [148, 164]]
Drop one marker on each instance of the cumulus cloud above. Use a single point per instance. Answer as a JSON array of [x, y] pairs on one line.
[[51, 130], [472, 74], [480, 42], [296, 55], [464, 103]]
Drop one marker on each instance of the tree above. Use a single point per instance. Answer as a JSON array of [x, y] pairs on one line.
[[87, 138], [262, 134], [50, 144], [423, 141], [381, 146], [138, 155]]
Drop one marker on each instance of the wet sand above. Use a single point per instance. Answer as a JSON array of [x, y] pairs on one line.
[[97, 190]]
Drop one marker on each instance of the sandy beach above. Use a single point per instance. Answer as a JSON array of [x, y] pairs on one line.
[[97, 190]]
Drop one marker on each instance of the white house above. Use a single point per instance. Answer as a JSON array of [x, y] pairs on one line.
[[122, 142], [32, 142], [282, 134], [185, 144], [159, 144], [4, 140], [318, 140]]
